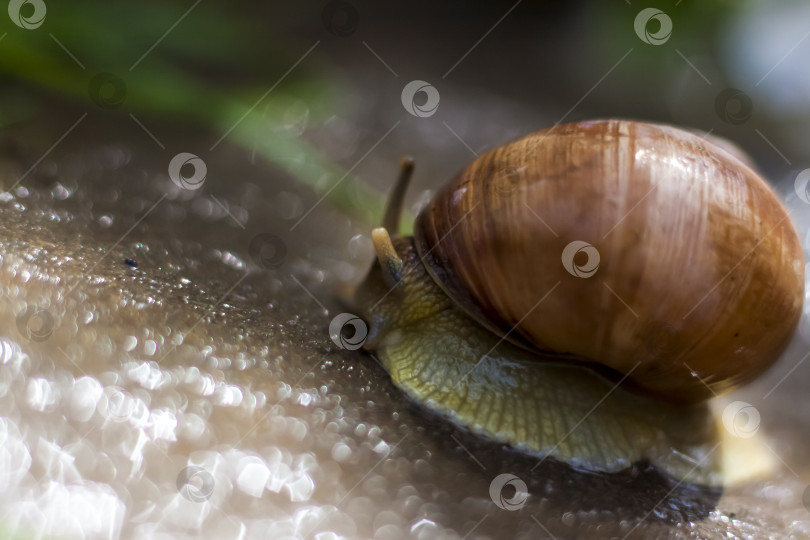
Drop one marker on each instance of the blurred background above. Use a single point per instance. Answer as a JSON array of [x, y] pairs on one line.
[[291, 119], [314, 89]]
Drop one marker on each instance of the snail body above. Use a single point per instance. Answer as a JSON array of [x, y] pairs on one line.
[[583, 291]]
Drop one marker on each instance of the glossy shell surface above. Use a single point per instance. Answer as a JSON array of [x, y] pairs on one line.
[[639, 247]]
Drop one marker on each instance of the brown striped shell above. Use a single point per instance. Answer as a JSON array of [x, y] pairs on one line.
[[700, 275]]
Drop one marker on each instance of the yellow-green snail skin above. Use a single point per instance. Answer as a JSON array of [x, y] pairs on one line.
[[583, 292]]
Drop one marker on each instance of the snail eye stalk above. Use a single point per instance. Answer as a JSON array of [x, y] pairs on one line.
[[393, 209]]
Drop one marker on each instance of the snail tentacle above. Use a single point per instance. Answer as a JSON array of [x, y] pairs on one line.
[[390, 263], [393, 209]]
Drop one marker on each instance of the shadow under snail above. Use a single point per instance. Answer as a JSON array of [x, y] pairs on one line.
[[582, 293]]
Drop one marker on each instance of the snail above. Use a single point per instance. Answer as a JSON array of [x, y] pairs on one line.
[[581, 293]]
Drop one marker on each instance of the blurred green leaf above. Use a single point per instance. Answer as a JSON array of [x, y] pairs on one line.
[[203, 71]]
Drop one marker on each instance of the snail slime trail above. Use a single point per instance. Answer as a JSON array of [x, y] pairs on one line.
[[485, 317]]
